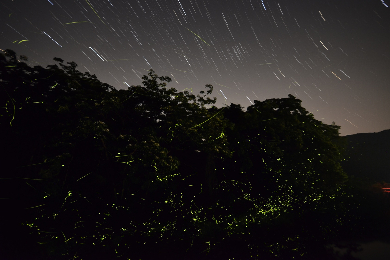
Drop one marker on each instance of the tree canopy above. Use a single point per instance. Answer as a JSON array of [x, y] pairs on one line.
[[146, 171]]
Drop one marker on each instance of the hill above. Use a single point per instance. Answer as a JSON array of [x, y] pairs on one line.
[[368, 156]]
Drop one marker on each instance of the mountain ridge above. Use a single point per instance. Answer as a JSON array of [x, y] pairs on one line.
[[367, 156]]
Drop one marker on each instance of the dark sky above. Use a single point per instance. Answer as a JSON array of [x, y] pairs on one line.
[[333, 55]]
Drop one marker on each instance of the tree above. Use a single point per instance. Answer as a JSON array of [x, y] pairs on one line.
[[145, 170], [96, 149], [285, 168]]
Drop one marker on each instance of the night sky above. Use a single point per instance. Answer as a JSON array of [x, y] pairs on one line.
[[333, 55]]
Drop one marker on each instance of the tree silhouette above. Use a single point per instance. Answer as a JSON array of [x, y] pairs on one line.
[[148, 171]]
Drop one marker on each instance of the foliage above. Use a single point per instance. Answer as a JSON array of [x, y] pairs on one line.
[[134, 172]]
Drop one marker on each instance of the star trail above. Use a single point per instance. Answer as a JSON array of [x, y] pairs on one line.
[[333, 55]]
